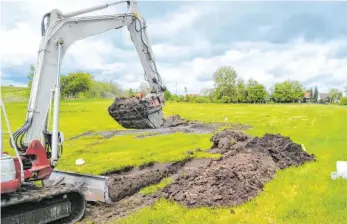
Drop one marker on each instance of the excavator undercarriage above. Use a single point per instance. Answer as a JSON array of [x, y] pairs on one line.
[[54, 204]]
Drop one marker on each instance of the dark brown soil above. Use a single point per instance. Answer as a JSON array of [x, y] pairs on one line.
[[131, 112], [240, 174], [128, 183], [231, 181], [174, 121], [129, 200], [282, 150], [103, 213]]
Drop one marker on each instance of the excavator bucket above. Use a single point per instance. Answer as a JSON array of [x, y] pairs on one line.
[[137, 113], [94, 188]]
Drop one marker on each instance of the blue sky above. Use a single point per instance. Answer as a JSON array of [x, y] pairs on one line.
[[267, 41]]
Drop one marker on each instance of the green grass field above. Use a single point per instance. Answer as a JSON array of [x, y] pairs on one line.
[[14, 94], [296, 195]]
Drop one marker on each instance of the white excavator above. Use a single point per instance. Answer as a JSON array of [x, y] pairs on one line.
[[62, 195]]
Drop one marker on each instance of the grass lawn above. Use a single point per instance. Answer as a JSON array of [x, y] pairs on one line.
[[297, 195], [14, 94]]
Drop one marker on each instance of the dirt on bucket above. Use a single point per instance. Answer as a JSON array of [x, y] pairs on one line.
[[240, 174]]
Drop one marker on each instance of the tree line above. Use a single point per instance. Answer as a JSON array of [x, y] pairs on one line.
[[82, 85], [229, 88]]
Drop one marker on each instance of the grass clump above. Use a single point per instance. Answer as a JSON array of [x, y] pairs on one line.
[[153, 188]]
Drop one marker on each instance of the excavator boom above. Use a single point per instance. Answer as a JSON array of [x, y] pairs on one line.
[[59, 32], [62, 197]]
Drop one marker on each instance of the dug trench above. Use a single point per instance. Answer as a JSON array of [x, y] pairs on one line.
[[172, 124], [238, 175]]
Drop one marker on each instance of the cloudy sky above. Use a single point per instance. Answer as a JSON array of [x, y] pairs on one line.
[[267, 41]]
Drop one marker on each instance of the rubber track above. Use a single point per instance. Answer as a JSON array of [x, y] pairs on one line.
[[37, 194]]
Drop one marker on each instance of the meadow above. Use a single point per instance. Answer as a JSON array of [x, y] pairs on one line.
[[303, 194]]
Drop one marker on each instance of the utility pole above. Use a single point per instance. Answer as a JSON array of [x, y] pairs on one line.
[[176, 87]]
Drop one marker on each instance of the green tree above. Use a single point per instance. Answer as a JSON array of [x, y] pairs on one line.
[[315, 94], [241, 91], [343, 101], [104, 89], [167, 95], [205, 92], [335, 94], [256, 92], [311, 93], [75, 83], [288, 92], [225, 99], [282, 92], [225, 83], [130, 92], [298, 91], [30, 77]]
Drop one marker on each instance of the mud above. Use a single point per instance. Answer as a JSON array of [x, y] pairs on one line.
[[240, 174], [171, 125], [103, 213]]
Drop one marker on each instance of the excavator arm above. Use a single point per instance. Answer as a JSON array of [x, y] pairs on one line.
[[59, 32]]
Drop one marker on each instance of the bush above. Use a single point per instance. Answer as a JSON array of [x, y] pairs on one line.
[[225, 99], [167, 95], [202, 100], [175, 98], [343, 101]]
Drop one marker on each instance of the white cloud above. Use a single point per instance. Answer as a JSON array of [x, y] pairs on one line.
[[170, 51], [173, 23], [297, 61], [180, 49], [18, 45]]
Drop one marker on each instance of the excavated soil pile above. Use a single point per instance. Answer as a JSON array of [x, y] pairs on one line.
[[175, 121], [282, 150], [240, 174]]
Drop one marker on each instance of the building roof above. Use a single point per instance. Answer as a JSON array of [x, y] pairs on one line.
[[307, 95], [323, 95], [192, 94]]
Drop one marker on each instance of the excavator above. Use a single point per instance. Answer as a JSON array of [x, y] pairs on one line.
[[32, 190]]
